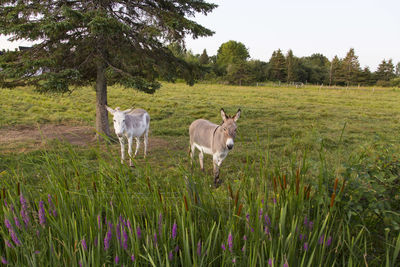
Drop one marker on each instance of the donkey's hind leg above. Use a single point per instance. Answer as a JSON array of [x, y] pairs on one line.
[[201, 157], [191, 153], [146, 141]]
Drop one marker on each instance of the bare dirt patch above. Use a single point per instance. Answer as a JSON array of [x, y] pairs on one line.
[[26, 138], [76, 135]]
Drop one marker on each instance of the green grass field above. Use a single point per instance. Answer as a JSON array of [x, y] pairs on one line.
[[291, 146]]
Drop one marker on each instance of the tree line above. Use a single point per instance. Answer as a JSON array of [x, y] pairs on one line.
[[232, 64]]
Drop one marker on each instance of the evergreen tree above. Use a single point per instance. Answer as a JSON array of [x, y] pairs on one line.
[[101, 42], [240, 74], [291, 63], [366, 77], [385, 71], [204, 60], [317, 67], [258, 69], [277, 67], [397, 73], [351, 67]]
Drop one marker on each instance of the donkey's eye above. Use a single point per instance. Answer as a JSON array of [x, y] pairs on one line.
[[224, 129]]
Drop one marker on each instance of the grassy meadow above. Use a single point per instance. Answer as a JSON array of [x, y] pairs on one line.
[[313, 180]]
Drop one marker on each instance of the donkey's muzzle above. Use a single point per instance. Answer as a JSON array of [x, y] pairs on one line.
[[230, 146], [119, 135]]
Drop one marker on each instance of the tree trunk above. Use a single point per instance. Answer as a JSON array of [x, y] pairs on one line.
[[101, 100]]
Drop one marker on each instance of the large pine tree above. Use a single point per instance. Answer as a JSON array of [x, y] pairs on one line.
[[98, 42], [385, 71], [351, 68], [277, 67]]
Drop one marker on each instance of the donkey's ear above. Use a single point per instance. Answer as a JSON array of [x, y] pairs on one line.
[[128, 111], [110, 109], [223, 115], [237, 115]]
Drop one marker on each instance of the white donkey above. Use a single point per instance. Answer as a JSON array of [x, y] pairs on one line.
[[131, 123], [213, 139]]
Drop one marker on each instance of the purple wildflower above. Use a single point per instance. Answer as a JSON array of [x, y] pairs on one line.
[[174, 230], [286, 264], [310, 225], [260, 214], [329, 241], [301, 236], [15, 238], [230, 242], [267, 220], [243, 248], [8, 224], [234, 260], [116, 260], [305, 221], [199, 248], [170, 255], [270, 261], [51, 205], [160, 224], [244, 237], [266, 230], [321, 239], [80, 264], [305, 246], [118, 231], [42, 215], [107, 238], [12, 232], [133, 257], [95, 241], [36, 252], [223, 247], [155, 238], [3, 260], [247, 217], [177, 249], [24, 210], [84, 245], [9, 244], [252, 229], [138, 232], [17, 223], [274, 199], [125, 243], [262, 201]]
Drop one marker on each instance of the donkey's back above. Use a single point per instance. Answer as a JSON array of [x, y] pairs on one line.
[[200, 132]]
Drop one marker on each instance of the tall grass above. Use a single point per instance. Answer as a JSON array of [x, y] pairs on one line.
[[93, 211]]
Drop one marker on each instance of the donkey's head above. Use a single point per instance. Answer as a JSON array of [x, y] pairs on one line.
[[119, 118], [229, 127]]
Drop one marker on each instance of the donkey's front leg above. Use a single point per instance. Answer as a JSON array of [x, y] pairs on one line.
[[122, 143], [130, 150], [216, 164]]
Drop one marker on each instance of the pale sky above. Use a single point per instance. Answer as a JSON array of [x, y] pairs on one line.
[[371, 27]]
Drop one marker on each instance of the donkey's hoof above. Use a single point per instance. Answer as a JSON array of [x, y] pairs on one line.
[[217, 183]]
